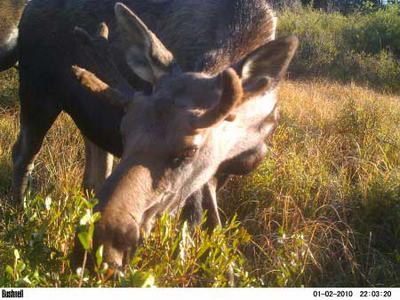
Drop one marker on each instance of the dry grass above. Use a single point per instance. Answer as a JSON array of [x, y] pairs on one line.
[[59, 165], [324, 207], [323, 210]]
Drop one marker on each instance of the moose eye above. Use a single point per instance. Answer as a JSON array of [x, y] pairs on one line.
[[184, 155], [189, 152]]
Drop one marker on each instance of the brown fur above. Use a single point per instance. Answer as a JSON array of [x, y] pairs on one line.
[[165, 158], [144, 185]]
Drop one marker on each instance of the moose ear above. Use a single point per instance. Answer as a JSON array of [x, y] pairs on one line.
[[144, 52], [264, 68]]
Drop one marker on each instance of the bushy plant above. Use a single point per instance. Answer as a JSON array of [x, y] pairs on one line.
[[362, 47], [36, 250]]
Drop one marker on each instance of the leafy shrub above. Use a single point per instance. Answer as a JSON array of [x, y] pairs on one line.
[[36, 248], [358, 47]]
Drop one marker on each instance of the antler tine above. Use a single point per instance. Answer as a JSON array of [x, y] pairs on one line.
[[231, 96], [94, 84], [103, 31], [96, 51]]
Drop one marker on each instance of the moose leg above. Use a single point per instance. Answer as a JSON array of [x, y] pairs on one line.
[[205, 199], [209, 204], [23, 154], [98, 166], [213, 220], [34, 125], [209, 200], [193, 209]]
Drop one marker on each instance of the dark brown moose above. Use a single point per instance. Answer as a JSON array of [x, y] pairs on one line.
[[176, 131]]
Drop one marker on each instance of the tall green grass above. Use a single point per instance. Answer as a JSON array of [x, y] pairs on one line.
[[361, 47]]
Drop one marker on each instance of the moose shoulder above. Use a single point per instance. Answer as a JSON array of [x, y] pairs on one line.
[[173, 140]]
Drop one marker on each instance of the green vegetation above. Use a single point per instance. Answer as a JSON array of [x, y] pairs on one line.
[[322, 210], [36, 245], [362, 47]]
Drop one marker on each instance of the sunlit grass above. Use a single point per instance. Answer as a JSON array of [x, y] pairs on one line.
[[360, 47], [324, 207], [322, 210]]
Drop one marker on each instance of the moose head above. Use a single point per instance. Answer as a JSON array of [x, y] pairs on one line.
[[175, 138]]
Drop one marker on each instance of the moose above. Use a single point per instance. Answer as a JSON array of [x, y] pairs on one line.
[[184, 102], [10, 13]]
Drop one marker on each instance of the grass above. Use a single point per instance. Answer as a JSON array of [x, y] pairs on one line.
[[324, 207], [361, 47], [322, 210]]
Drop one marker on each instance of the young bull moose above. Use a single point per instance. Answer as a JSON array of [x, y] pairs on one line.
[[174, 140]]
